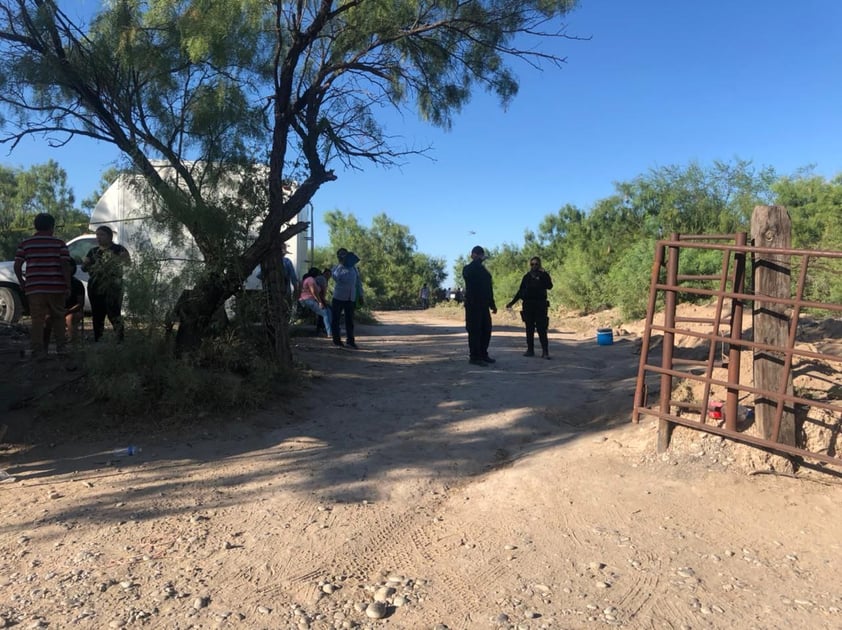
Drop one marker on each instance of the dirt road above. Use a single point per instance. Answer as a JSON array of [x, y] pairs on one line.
[[405, 488]]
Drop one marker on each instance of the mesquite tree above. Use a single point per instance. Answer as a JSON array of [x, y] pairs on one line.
[[295, 84]]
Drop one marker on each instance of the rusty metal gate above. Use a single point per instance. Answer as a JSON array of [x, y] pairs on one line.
[[722, 345]]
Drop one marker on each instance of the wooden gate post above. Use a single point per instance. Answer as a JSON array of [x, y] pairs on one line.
[[771, 227]]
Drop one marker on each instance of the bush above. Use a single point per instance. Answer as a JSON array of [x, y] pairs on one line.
[[628, 280], [142, 376], [579, 285]]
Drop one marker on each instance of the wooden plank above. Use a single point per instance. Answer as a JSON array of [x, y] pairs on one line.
[[772, 227]]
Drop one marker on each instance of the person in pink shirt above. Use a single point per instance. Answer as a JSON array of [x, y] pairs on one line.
[[312, 297], [46, 282]]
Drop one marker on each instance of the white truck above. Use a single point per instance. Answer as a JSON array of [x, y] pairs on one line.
[[121, 208]]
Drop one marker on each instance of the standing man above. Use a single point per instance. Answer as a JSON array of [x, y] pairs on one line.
[[347, 291], [291, 277], [424, 296], [533, 291], [479, 299], [105, 264], [46, 282]]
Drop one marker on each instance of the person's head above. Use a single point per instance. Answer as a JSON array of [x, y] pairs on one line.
[[341, 253], [477, 252], [313, 272], [44, 222], [534, 263], [104, 235], [327, 273]]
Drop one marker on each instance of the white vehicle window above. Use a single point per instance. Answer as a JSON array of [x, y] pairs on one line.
[[79, 249]]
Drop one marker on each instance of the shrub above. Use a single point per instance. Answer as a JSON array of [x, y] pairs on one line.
[[143, 376], [628, 280], [578, 284]]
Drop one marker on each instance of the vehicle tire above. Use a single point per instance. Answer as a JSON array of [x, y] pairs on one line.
[[11, 305]]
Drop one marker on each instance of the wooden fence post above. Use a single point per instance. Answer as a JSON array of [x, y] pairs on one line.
[[772, 227]]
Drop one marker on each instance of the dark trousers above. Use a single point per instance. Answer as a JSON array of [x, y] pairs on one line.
[[535, 317], [478, 325], [337, 307], [109, 305]]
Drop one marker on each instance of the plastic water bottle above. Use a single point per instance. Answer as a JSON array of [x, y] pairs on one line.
[[127, 451]]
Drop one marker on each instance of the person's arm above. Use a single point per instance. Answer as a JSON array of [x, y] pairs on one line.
[[518, 295], [359, 281], [19, 271], [87, 261], [548, 282]]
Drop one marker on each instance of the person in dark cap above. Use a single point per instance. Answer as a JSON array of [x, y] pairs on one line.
[[479, 300]]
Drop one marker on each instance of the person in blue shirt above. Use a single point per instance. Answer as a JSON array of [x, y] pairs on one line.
[[290, 275], [347, 293]]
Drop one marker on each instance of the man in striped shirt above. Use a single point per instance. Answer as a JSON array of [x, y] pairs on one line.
[[46, 282]]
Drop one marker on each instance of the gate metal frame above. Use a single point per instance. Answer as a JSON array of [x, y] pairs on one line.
[[731, 286]]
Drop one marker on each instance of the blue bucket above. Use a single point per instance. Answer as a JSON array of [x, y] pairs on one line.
[[604, 336]]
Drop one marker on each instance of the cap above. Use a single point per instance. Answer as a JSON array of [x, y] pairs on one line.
[[479, 251]]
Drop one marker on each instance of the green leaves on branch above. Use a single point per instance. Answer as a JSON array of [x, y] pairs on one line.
[[25, 193], [392, 269], [603, 257]]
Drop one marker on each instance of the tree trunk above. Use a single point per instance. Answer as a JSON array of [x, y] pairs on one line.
[[197, 311], [276, 286]]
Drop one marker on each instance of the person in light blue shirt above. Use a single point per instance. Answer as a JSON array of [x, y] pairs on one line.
[[347, 293]]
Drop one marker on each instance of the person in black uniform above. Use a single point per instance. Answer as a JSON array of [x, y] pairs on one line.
[[533, 291], [479, 299]]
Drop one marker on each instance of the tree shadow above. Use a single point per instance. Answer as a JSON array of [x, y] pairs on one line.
[[407, 405]]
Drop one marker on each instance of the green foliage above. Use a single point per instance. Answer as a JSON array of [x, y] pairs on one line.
[[604, 256], [578, 284], [143, 376], [153, 285], [627, 282], [507, 264], [294, 85], [391, 268], [25, 193], [815, 208]]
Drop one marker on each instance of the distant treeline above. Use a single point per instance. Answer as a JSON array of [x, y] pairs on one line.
[[602, 257], [599, 257]]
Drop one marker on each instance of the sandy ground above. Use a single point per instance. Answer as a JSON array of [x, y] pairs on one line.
[[406, 484]]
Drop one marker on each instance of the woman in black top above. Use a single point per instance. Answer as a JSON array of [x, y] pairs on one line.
[[104, 263], [533, 291]]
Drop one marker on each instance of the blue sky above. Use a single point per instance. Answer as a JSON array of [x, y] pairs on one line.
[[660, 82]]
